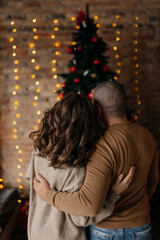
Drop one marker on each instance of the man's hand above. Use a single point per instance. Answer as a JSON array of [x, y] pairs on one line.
[[123, 183], [41, 186]]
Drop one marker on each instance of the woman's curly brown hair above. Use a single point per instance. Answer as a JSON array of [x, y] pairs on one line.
[[68, 132]]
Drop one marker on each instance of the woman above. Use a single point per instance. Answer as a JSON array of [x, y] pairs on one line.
[[63, 145]]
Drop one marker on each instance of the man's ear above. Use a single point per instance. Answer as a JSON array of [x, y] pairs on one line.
[[99, 110]]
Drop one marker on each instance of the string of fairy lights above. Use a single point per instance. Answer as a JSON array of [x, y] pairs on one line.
[[116, 46], [16, 103], [56, 54], [35, 68], [136, 69]]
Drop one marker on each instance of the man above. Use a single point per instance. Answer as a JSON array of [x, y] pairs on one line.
[[123, 145]]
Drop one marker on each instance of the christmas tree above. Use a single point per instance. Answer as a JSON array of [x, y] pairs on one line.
[[88, 67]]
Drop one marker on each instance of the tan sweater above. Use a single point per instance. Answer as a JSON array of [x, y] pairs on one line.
[[122, 146], [46, 222]]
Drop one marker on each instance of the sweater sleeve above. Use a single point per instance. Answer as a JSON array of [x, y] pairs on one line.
[[89, 200], [105, 212], [153, 176]]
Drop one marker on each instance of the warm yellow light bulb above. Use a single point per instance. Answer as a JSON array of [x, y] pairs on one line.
[[118, 71], [14, 54], [16, 62], [135, 58], [77, 27], [38, 112], [17, 87], [73, 43], [58, 85], [56, 29], [18, 115], [136, 25], [54, 91], [117, 39], [15, 70], [20, 160], [19, 201], [135, 117], [33, 51], [55, 21], [11, 39], [57, 44], [34, 20], [96, 17], [53, 69], [1, 186], [35, 37], [135, 81], [15, 136], [136, 88], [115, 77], [57, 53], [36, 98], [1, 179], [118, 64], [135, 50], [34, 29], [138, 96], [55, 76], [38, 120], [137, 65], [16, 102], [14, 30], [73, 18], [139, 103], [14, 46], [15, 130], [37, 83], [33, 60], [20, 187], [16, 147], [31, 45], [116, 56], [35, 127], [33, 76], [20, 174], [19, 180], [135, 42], [37, 67], [58, 99], [117, 16], [114, 48], [114, 24], [15, 108], [12, 22], [16, 77], [14, 122], [97, 25], [136, 72], [38, 90], [139, 111], [35, 104], [14, 93], [118, 32], [20, 151], [18, 166], [52, 36]]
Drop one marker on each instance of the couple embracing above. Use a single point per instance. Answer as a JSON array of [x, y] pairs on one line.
[[93, 171]]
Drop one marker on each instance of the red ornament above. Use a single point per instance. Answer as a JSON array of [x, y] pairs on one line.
[[96, 61], [81, 17], [95, 39], [79, 48], [132, 120], [69, 50], [63, 84], [106, 68], [76, 80], [61, 95], [90, 95], [73, 69]]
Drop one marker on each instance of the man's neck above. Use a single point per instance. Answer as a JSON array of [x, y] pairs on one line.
[[116, 120]]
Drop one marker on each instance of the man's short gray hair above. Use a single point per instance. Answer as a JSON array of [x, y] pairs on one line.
[[111, 97]]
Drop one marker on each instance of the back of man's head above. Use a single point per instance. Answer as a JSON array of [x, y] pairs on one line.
[[111, 97]]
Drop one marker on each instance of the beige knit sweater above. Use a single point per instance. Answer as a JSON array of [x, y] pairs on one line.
[[45, 222]]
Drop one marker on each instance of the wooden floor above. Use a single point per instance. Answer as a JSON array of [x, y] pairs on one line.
[[20, 234]]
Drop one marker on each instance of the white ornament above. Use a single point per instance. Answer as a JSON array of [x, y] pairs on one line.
[[85, 72], [84, 24]]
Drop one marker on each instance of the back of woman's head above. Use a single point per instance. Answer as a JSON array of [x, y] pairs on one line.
[[68, 131]]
